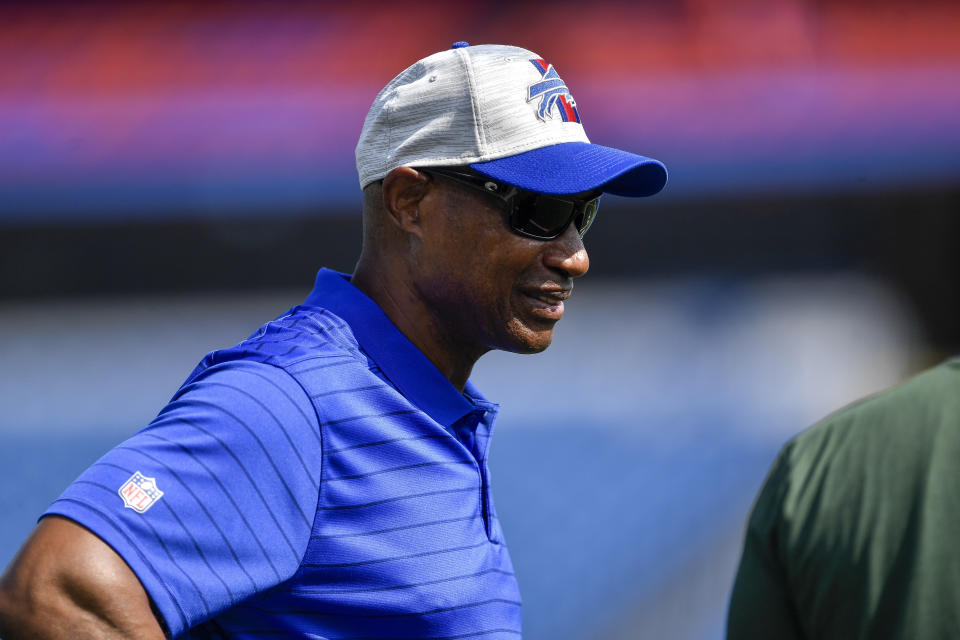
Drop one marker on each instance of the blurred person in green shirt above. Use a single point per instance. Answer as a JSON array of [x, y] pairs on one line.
[[855, 532]]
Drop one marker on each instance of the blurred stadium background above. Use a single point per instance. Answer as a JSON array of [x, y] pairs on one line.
[[172, 175]]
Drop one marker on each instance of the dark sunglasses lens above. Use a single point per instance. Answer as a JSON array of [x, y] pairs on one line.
[[586, 218], [541, 216]]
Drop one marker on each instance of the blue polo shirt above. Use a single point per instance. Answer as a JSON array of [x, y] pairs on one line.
[[322, 479]]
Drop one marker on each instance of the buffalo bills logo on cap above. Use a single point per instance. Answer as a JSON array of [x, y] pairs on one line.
[[552, 92]]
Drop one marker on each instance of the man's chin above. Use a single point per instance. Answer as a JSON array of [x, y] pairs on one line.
[[531, 340]]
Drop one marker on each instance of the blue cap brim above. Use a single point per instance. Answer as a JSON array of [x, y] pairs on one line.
[[575, 167]]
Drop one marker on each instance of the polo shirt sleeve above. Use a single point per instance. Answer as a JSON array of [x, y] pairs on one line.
[[214, 501]]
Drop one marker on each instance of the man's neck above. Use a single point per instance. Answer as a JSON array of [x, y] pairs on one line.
[[398, 298]]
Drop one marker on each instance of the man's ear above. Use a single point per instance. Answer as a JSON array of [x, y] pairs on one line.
[[403, 189]]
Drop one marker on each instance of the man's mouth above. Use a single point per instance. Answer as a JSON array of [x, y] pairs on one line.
[[553, 297], [547, 304]]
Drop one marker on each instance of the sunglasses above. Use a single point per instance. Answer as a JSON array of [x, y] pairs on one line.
[[531, 214]]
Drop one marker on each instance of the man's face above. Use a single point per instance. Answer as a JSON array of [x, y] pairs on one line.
[[489, 287]]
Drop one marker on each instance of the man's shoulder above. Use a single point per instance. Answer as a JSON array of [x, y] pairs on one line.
[[930, 396], [910, 417], [301, 334], [310, 344]]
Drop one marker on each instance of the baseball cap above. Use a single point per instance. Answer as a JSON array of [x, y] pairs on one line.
[[506, 113]]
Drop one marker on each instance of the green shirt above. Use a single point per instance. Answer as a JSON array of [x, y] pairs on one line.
[[855, 533]]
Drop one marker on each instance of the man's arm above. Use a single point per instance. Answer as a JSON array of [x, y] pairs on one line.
[[67, 583], [234, 500], [761, 605]]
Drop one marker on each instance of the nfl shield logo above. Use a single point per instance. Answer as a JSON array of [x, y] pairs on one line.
[[140, 492]]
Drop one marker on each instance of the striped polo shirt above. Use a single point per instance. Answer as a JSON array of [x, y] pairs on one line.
[[322, 479]]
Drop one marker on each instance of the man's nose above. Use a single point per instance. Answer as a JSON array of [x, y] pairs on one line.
[[567, 253]]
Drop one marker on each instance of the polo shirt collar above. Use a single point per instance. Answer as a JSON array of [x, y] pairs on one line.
[[401, 361]]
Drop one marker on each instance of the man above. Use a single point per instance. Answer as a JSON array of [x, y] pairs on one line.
[[854, 534], [327, 477]]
